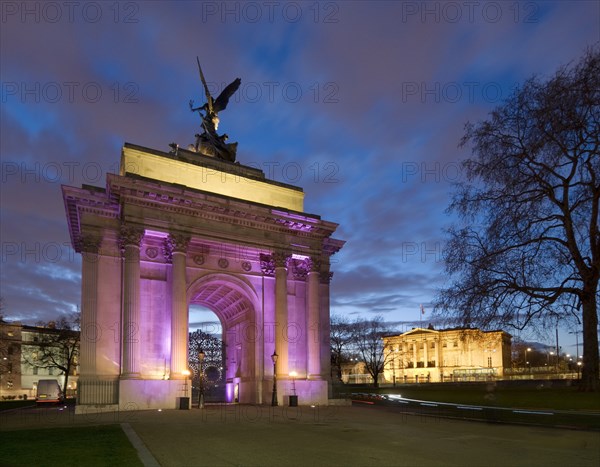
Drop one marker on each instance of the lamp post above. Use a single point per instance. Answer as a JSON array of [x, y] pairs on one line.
[[201, 356], [274, 398], [186, 373], [528, 349], [293, 374]]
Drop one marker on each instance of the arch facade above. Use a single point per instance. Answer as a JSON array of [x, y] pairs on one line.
[[172, 230]]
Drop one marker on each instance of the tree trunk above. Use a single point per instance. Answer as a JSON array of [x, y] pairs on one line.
[[590, 371], [66, 384]]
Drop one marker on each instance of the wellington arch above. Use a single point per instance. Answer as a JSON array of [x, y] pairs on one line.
[[177, 228]]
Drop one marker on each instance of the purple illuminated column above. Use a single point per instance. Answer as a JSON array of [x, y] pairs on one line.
[[89, 305], [281, 313], [131, 237], [313, 321], [177, 246]]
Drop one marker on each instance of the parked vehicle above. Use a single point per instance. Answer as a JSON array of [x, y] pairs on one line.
[[48, 392]]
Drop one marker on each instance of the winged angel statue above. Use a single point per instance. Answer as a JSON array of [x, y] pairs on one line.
[[209, 142]]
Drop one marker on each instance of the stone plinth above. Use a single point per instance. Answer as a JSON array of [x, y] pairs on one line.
[[203, 173]]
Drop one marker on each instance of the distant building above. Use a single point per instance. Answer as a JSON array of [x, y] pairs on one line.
[[19, 345], [428, 355], [355, 372], [10, 358]]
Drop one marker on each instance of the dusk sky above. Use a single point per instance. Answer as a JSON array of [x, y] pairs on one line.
[[361, 103]]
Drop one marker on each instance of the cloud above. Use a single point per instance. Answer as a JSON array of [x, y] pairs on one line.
[[360, 103]]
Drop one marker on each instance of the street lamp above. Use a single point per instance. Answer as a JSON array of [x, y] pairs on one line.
[[274, 398], [201, 356], [528, 349]]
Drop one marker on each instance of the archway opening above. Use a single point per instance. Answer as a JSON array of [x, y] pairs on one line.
[[206, 336], [219, 313]]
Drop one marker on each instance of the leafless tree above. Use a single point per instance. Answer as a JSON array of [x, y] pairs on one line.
[[341, 342], [57, 347], [528, 240], [367, 339]]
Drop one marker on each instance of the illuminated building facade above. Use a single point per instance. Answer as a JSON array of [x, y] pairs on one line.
[[19, 374], [428, 355]]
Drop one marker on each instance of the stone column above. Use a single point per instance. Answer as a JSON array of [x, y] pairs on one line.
[[281, 314], [415, 344], [131, 237], [425, 352], [313, 324], [175, 248], [90, 331]]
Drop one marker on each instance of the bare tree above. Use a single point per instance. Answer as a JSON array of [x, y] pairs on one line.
[[528, 241], [341, 341], [367, 339], [57, 347]]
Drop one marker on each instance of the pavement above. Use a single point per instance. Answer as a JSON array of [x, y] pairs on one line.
[[360, 435]]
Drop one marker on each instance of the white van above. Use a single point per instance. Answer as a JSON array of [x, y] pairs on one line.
[[48, 392]]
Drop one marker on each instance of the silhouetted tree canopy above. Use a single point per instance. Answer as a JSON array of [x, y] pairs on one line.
[[367, 342], [527, 243]]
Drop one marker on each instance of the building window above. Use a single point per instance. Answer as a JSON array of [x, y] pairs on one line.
[[421, 345], [431, 363], [489, 362], [432, 345], [50, 371], [420, 364], [445, 344], [410, 365], [455, 343], [35, 370]]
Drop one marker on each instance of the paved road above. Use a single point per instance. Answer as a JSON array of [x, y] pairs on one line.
[[331, 436]]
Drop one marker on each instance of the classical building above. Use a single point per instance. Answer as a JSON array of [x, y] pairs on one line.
[[19, 374], [428, 355], [179, 228]]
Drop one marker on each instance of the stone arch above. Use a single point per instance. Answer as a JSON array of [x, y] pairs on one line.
[[235, 302], [227, 295], [231, 239]]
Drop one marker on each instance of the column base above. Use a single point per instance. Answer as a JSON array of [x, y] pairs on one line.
[[309, 392], [152, 394], [131, 376]]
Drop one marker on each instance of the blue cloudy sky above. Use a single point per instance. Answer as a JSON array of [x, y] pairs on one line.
[[361, 103]]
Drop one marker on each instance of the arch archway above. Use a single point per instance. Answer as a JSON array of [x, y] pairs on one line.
[[235, 303]]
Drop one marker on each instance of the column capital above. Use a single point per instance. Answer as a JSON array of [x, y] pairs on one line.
[[313, 264], [325, 277], [281, 259], [88, 243], [300, 268], [267, 265], [175, 243], [130, 235]]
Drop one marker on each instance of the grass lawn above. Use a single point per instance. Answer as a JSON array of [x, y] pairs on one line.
[[89, 446], [544, 396]]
